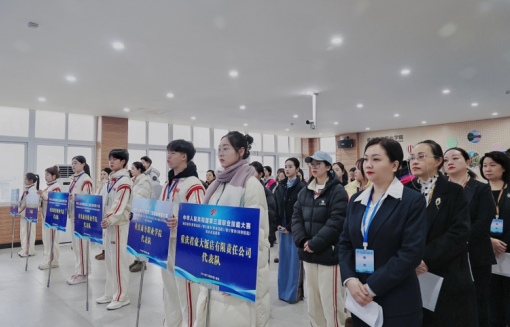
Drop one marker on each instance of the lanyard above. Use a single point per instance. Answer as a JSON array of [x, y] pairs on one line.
[[73, 184], [109, 188], [499, 199], [49, 185], [28, 188], [223, 190], [169, 189], [365, 229]]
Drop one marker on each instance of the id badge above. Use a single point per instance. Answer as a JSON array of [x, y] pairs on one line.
[[497, 226], [365, 261]]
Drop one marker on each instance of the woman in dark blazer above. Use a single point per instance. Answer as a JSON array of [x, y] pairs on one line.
[[446, 253], [482, 210], [495, 167], [396, 235]]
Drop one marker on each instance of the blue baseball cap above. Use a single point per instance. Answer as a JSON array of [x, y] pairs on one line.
[[320, 156]]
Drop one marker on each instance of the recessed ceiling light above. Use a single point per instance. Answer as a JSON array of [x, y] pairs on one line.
[[396, 115], [446, 91], [337, 41], [286, 129], [360, 105], [126, 109], [494, 113], [233, 73], [71, 78], [423, 122], [245, 124], [118, 45], [405, 72], [368, 128], [295, 116], [193, 118], [242, 107], [336, 123], [42, 99], [474, 104], [170, 95]]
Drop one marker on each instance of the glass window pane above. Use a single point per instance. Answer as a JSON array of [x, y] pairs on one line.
[[74, 151], [202, 161], [158, 133], [14, 122], [218, 163], [50, 125], [328, 144], [134, 155], [268, 141], [269, 161], [12, 169], [201, 137], [48, 156], [136, 132], [158, 158], [283, 144], [281, 162], [182, 132], [257, 142], [218, 134], [81, 127], [295, 144], [256, 158]]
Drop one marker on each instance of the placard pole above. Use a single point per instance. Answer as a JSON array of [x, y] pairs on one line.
[[28, 245], [12, 241], [87, 273], [52, 231], [140, 292]]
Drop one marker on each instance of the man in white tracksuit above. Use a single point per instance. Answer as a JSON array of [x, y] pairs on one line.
[[116, 223], [183, 186]]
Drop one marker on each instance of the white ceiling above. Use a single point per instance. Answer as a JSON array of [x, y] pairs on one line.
[[281, 49]]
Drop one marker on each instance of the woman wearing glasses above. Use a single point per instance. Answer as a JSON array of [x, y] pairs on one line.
[[317, 223], [446, 253], [495, 168], [481, 210]]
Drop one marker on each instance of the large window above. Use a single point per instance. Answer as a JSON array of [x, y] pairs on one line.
[[182, 132], [48, 156], [50, 125], [218, 134], [136, 132], [268, 143], [269, 161], [158, 133], [158, 158], [81, 127], [14, 122], [257, 142], [202, 161], [283, 144], [201, 137], [135, 155], [12, 169]]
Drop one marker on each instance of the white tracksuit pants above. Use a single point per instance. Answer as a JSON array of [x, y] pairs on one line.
[[23, 231], [325, 295], [80, 254], [179, 295], [117, 262], [49, 234]]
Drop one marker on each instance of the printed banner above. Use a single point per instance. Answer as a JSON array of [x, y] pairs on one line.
[[56, 212], [14, 203], [88, 214], [32, 209], [149, 234], [217, 247]]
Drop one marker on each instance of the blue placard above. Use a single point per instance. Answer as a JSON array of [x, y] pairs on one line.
[[148, 232], [31, 214], [217, 246], [56, 212], [14, 210], [88, 214]]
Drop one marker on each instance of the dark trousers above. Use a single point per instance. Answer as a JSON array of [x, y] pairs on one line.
[[412, 320], [482, 277], [499, 301]]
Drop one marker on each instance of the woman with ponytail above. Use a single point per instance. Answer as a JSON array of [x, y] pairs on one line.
[[27, 246], [237, 186], [81, 184], [50, 235]]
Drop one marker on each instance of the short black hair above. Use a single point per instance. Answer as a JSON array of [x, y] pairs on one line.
[[258, 167], [436, 149], [353, 168], [238, 140], [146, 159], [121, 154], [269, 169], [107, 170], [392, 148], [501, 159], [182, 146], [212, 172], [138, 165], [359, 165]]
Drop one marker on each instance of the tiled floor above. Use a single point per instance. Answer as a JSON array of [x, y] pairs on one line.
[[26, 301]]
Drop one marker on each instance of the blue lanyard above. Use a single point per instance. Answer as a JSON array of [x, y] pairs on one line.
[[365, 230], [109, 188], [169, 189], [224, 185], [74, 183]]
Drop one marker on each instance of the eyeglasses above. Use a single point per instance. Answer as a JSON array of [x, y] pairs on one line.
[[420, 157], [315, 165]]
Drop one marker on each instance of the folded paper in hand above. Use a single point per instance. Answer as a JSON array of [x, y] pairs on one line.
[[430, 286], [503, 266], [371, 314]]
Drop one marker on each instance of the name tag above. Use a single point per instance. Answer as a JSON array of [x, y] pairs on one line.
[[365, 261], [497, 226]]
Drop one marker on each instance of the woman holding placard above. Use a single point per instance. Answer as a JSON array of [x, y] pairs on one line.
[[237, 186], [50, 235], [495, 168], [27, 246], [81, 184]]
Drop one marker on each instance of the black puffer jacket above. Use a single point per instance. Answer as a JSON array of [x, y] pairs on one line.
[[320, 221], [285, 199]]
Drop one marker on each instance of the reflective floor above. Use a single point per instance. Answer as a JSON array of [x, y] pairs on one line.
[[26, 301]]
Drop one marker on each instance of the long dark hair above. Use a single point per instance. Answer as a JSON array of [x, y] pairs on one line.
[[345, 177], [466, 157], [138, 165], [82, 160], [34, 178]]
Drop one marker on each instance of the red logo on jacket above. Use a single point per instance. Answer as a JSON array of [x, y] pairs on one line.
[[213, 211]]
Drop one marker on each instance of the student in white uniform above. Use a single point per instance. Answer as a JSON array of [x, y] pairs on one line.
[[101, 190], [81, 184], [49, 235], [116, 224], [31, 184], [183, 186]]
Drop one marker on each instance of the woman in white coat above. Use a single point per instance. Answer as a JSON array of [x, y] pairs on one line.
[[237, 186], [101, 190]]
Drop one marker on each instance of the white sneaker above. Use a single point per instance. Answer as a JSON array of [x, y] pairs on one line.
[[116, 304], [22, 254], [71, 278], [44, 266], [104, 299], [78, 279]]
